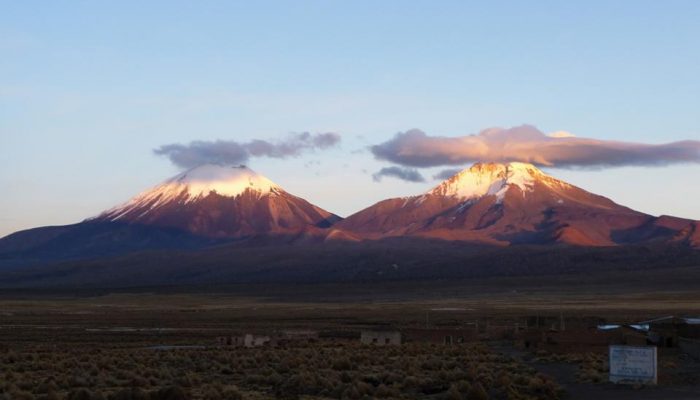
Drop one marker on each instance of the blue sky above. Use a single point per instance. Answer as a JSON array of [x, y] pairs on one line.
[[89, 89]]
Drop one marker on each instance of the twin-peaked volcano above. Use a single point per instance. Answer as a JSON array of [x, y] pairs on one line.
[[514, 203], [221, 201], [211, 205]]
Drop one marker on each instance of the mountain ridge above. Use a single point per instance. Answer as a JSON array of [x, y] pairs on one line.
[[220, 201], [488, 205], [513, 203]]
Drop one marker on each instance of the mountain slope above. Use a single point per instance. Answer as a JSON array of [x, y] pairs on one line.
[[201, 207], [220, 224], [217, 201], [514, 203], [400, 260]]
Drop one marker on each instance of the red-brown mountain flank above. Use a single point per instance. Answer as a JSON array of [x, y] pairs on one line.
[[515, 203], [222, 202]]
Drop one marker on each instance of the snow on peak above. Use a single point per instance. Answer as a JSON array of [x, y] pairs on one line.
[[224, 180], [197, 183], [484, 179]]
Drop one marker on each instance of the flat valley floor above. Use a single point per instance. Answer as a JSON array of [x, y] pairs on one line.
[[157, 343]]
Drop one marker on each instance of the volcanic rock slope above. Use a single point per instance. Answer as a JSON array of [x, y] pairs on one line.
[[499, 204], [515, 203], [201, 207], [221, 201]]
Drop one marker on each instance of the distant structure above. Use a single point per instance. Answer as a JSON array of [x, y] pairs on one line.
[[236, 341], [284, 337], [667, 331], [380, 338], [250, 340]]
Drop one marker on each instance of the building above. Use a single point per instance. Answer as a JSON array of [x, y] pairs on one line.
[[380, 338], [252, 340], [586, 339], [236, 341], [667, 331]]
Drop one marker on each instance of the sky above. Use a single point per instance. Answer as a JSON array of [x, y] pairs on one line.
[[89, 89]]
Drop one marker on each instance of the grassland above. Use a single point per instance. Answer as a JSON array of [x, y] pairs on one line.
[[98, 344]]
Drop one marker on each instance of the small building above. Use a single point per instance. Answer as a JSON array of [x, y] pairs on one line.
[[252, 340], [247, 340], [380, 338]]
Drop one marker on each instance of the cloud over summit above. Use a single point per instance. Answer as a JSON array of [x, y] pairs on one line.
[[526, 143], [405, 174], [229, 152]]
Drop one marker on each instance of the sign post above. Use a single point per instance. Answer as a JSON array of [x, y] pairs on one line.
[[633, 364]]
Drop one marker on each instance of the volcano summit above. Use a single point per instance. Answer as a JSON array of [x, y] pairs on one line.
[[515, 203], [223, 202], [232, 220]]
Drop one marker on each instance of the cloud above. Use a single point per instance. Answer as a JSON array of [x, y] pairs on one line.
[[406, 174], [561, 134], [446, 173], [229, 152], [528, 144]]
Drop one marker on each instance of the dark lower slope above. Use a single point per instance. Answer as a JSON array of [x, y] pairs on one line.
[[91, 239], [386, 260]]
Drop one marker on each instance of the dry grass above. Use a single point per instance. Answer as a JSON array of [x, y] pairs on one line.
[[319, 370]]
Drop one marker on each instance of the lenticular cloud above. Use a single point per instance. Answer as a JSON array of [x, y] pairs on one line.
[[528, 144], [406, 174], [229, 152]]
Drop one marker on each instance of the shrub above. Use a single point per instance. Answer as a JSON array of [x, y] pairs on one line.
[[80, 394], [231, 393], [129, 394], [477, 392], [384, 391], [169, 393], [454, 393]]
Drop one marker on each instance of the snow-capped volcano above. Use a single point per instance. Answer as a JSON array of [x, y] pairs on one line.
[[235, 219], [485, 179], [196, 184], [510, 203], [220, 201]]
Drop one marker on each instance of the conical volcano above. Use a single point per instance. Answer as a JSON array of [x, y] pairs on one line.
[[220, 201], [514, 203]]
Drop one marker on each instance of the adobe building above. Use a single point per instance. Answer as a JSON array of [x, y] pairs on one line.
[[247, 340], [251, 340], [236, 341]]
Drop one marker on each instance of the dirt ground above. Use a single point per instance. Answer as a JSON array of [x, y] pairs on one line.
[[119, 321], [672, 384]]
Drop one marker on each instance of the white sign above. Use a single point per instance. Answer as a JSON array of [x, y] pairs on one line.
[[633, 364]]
